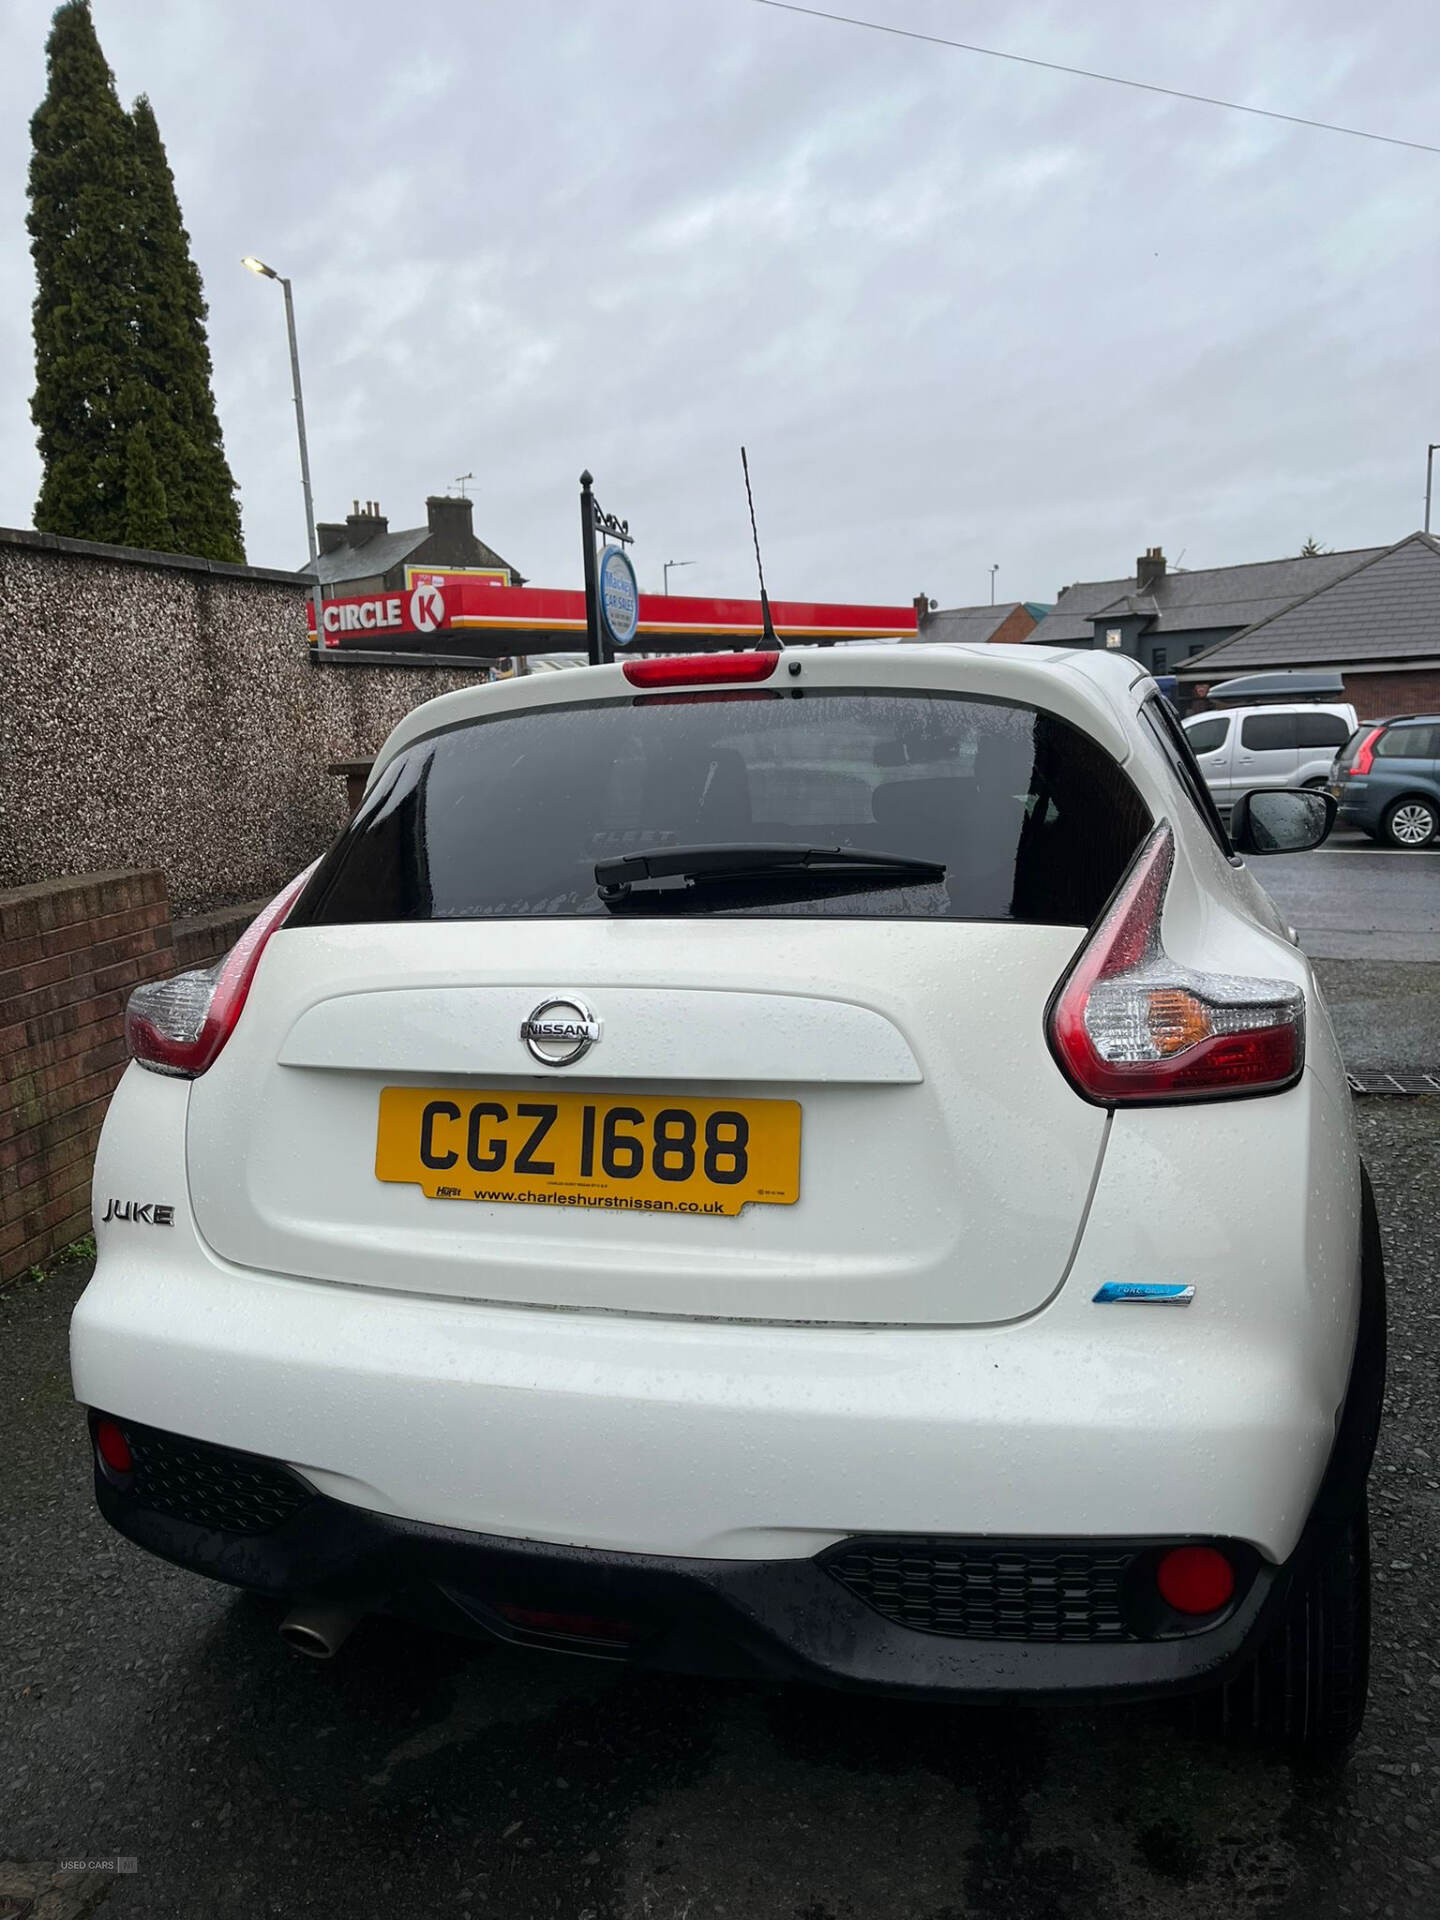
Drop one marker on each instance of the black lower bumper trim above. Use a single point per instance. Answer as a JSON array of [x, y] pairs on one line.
[[768, 1619]]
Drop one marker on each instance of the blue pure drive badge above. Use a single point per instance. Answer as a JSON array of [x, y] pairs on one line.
[[1140, 1292]]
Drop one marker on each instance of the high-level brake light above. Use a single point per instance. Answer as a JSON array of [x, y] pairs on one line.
[[1130, 1025], [178, 1026], [700, 669]]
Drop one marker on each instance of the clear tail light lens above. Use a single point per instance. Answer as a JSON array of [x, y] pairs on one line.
[[1129, 1025], [179, 1025]]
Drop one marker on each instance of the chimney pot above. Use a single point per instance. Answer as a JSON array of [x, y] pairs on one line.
[[365, 525]]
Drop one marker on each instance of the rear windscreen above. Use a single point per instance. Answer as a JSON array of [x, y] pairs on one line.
[[506, 817]]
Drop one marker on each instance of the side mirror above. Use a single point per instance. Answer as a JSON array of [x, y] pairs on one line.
[[1281, 820]]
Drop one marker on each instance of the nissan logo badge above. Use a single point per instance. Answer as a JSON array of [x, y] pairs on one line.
[[560, 1031]]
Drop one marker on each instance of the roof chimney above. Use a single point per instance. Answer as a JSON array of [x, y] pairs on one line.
[[362, 526], [1150, 570], [451, 519]]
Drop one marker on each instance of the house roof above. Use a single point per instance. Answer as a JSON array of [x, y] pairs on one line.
[[1386, 606], [970, 626], [1207, 597], [387, 550]]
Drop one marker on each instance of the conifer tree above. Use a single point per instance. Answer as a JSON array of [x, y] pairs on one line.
[[147, 519], [81, 177], [173, 358], [119, 321]]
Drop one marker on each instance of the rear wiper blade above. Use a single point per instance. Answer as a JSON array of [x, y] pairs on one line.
[[616, 877]]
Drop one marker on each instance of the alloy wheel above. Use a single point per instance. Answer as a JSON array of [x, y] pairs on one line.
[[1412, 824]]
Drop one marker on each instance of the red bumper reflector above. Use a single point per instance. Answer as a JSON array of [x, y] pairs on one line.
[[1195, 1579], [113, 1447], [700, 669], [573, 1626]]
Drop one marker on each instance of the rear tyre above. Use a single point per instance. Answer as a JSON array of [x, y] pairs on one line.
[[1411, 822], [1305, 1690]]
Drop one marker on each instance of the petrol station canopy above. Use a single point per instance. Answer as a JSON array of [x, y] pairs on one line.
[[457, 617]]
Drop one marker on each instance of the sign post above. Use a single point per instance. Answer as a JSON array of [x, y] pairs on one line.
[[587, 534]]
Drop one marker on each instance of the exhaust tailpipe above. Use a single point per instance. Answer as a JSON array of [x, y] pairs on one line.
[[318, 1632]]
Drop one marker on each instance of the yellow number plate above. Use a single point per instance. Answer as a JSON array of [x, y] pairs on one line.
[[636, 1155]]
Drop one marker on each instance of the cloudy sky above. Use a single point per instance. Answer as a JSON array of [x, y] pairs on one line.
[[963, 312]]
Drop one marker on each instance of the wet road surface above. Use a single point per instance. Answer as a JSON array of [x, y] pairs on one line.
[[1353, 900]]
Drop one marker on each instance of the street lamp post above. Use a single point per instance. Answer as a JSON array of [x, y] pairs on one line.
[[673, 563], [993, 571], [1430, 453], [269, 273]]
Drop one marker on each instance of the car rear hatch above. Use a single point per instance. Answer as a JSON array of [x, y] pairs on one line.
[[816, 1093]]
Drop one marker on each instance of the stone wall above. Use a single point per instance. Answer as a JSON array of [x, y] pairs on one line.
[[162, 712]]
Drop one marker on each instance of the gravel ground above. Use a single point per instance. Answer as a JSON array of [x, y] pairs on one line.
[[146, 1713], [1386, 1012]]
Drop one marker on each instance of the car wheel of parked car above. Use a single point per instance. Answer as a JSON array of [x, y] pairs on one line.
[[1411, 822]]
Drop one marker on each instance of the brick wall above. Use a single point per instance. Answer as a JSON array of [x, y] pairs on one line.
[[1375, 696], [1017, 625], [70, 953]]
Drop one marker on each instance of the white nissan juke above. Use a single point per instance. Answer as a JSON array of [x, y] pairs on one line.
[[817, 1165]]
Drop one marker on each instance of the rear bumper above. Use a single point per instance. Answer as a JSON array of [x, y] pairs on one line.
[[1082, 1615], [773, 1620], [694, 1440]]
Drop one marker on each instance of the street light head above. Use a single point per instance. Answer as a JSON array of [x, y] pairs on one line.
[[259, 266]]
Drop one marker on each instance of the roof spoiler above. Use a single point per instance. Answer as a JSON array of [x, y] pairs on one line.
[[1279, 686]]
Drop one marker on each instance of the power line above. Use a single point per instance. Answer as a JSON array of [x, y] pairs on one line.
[[1085, 73]]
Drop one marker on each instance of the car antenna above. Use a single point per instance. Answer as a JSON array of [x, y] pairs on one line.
[[768, 637]]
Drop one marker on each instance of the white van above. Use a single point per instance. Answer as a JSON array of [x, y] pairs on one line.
[[1273, 746]]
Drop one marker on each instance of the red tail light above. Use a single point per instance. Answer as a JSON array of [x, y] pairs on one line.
[[700, 669], [179, 1025], [1365, 752], [1129, 1025]]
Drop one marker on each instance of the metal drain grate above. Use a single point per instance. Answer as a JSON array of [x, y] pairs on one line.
[[1394, 1080], [984, 1592]]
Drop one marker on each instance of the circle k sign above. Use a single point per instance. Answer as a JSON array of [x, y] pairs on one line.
[[427, 609]]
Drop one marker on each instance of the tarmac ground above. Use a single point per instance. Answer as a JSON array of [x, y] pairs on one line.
[[153, 1725]]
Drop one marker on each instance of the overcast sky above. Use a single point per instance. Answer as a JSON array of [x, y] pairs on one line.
[[962, 312]]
